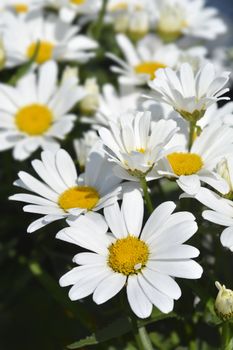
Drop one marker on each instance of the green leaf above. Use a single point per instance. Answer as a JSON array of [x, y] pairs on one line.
[[118, 328]]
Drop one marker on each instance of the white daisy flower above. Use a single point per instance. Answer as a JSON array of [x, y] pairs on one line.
[[21, 7], [69, 9], [221, 212], [35, 113], [142, 60], [84, 145], [135, 145], [52, 38], [188, 93], [187, 17], [191, 167], [145, 260], [111, 105], [62, 193]]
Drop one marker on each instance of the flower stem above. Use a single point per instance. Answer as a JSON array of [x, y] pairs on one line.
[[140, 334], [147, 198], [226, 336], [99, 23], [192, 127]]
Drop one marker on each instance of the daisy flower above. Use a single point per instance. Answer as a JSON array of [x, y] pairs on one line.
[[144, 260], [197, 165], [52, 38], [149, 55], [62, 193], [221, 212], [20, 6], [188, 93], [135, 146], [35, 113], [111, 105], [84, 145], [187, 17], [69, 9]]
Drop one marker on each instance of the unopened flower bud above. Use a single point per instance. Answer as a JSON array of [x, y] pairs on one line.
[[70, 73], [138, 25], [90, 103], [225, 170], [224, 302], [2, 55]]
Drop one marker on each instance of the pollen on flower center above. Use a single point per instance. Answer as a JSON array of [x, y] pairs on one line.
[[45, 51], [185, 163], [128, 255], [83, 197], [21, 8], [149, 68], [34, 119], [77, 2]]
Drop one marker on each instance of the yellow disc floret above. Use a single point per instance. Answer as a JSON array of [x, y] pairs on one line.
[[149, 68], [34, 119], [77, 2], [21, 8], [83, 197], [185, 163], [45, 51], [128, 255]]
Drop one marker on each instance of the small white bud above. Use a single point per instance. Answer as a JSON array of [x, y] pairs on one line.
[[90, 103], [224, 302]]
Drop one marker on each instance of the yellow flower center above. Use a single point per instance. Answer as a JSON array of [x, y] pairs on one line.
[[185, 163], [141, 150], [45, 51], [34, 119], [128, 255], [21, 8], [83, 197], [77, 2], [149, 68]]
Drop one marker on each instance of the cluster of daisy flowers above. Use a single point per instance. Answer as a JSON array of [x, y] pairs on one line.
[[160, 121]]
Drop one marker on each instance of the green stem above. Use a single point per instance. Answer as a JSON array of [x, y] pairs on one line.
[[226, 336], [192, 127], [145, 339], [99, 23], [147, 198], [140, 334]]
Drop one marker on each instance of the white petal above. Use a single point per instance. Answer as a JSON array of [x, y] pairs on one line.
[[160, 300], [133, 210], [109, 287], [138, 301], [227, 238]]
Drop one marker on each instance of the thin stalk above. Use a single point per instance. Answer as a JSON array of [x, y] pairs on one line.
[[99, 23], [226, 337], [140, 335], [145, 339], [192, 127], [147, 198]]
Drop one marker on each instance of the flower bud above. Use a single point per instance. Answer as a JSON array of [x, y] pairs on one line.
[[224, 302], [224, 170], [70, 73], [90, 103], [2, 55], [138, 25]]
